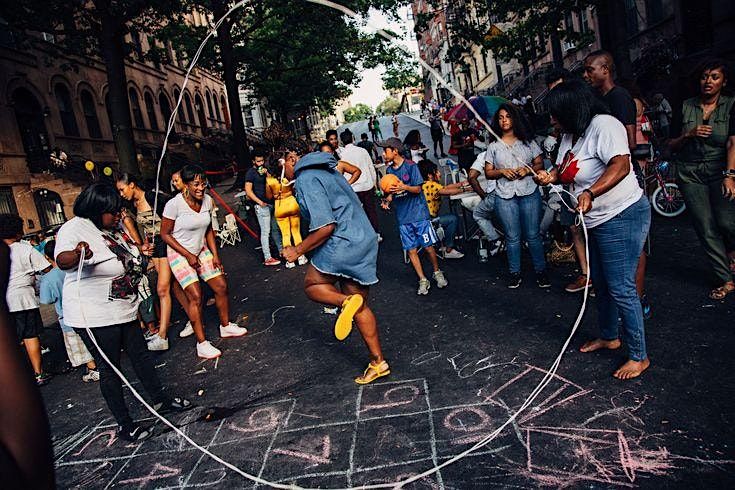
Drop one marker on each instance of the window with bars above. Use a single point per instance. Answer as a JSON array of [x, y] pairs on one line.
[[66, 111], [135, 107], [7, 201], [90, 114]]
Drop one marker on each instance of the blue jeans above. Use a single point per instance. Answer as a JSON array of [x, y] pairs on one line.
[[521, 219], [268, 227], [483, 214], [614, 248], [449, 222]]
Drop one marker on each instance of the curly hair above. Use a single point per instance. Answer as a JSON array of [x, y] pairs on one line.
[[521, 127], [11, 226]]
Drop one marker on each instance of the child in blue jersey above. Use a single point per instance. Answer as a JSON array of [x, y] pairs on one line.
[[412, 213]]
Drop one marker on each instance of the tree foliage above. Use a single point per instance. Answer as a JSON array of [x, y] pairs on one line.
[[401, 74], [358, 113], [388, 106]]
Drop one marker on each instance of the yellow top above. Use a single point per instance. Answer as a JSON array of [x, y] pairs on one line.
[[433, 198], [279, 187]]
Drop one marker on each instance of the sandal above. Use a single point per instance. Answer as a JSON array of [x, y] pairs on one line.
[[718, 294], [350, 307], [373, 372]]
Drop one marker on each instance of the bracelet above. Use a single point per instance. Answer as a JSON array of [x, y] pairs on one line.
[[592, 194], [730, 172]]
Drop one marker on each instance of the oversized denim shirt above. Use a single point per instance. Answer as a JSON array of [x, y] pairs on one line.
[[325, 198]]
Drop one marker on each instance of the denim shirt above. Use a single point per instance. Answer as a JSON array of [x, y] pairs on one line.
[[713, 148], [325, 198]]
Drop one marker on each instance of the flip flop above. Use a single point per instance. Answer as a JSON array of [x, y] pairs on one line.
[[373, 372], [350, 307]]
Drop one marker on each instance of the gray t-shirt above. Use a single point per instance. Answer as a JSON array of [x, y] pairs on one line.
[[519, 153]]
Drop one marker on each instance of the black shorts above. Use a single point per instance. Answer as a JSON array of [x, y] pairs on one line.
[[159, 248], [28, 323]]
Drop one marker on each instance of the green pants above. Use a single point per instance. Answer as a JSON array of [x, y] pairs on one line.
[[713, 215]]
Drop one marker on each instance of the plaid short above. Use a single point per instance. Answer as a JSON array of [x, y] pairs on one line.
[[76, 350], [185, 274]]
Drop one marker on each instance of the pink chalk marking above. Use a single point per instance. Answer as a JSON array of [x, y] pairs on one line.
[[565, 479], [483, 423], [253, 421], [528, 450], [532, 415], [315, 459], [575, 437], [509, 382], [112, 437], [626, 460], [395, 403], [157, 472]]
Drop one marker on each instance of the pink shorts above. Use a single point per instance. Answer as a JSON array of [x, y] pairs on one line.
[[185, 274]]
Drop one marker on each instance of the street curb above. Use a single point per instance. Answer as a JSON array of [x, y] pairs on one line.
[[416, 118]]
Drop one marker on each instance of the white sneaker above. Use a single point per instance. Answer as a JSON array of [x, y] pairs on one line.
[[424, 286], [188, 330], [441, 281], [454, 254], [205, 350], [158, 343], [290, 265], [91, 376], [232, 330], [303, 260]]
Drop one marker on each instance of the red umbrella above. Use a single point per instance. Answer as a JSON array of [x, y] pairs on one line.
[[457, 113]]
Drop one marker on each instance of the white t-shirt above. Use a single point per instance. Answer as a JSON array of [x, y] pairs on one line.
[[91, 303], [360, 158], [479, 165], [581, 166], [25, 263], [190, 227]]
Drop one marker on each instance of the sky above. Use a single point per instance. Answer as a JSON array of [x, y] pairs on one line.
[[370, 89]]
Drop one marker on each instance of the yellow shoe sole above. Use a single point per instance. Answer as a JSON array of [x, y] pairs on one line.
[[350, 307]]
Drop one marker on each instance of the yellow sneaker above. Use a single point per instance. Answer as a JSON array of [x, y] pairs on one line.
[[350, 306], [373, 372]]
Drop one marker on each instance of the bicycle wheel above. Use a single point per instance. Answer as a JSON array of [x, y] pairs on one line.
[[668, 204]]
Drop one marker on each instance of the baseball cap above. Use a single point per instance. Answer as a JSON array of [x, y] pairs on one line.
[[392, 143]]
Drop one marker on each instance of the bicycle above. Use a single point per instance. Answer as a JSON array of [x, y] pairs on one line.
[[667, 199]]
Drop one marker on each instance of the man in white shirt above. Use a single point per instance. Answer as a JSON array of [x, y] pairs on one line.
[[364, 187], [25, 263], [483, 212]]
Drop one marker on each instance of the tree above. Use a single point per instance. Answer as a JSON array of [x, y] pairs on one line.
[[358, 113], [388, 106], [96, 28]]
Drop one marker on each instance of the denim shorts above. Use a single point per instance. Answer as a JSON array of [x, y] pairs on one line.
[[417, 235]]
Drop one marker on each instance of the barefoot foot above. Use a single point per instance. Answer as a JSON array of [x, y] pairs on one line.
[[593, 345], [632, 369]]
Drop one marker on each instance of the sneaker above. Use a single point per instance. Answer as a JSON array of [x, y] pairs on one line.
[[290, 265], [542, 280], [92, 376], [495, 247], [42, 379], [441, 281], [187, 331], [514, 281], [424, 286], [647, 313], [454, 254], [134, 433], [578, 284], [158, 343], [148, 335], [302, 260], [272, 262], [45, 350], [232, 330], [205, 350]]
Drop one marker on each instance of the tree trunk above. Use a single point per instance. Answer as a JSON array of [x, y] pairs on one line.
[[556, 53], [614, 36], [112, 48], [229, 69]]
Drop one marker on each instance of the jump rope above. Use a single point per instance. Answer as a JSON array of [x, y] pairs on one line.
[[547, 378]]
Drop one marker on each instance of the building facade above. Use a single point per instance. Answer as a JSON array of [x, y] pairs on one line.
[[52, 100]]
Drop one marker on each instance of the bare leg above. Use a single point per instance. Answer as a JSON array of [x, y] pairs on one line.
[[194, 296], [320, 288], [413, 255], [365, 320], [33, 348], [431, 252], [181, 296], [221, 298], [163, 289]]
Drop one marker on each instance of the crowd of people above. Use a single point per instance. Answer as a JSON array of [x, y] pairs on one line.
[[318, 207]]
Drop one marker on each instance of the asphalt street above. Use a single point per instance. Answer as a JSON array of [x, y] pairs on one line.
[[281, 402]]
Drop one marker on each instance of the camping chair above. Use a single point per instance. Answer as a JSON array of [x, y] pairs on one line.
[[223, 233], [231, 225]]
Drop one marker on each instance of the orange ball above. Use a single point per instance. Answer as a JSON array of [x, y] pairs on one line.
[[388, 181]]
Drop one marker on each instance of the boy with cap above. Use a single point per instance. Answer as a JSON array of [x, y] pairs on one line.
[[412, 212]]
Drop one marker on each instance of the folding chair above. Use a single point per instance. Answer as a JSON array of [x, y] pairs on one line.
[[224, 234], [231, 225]]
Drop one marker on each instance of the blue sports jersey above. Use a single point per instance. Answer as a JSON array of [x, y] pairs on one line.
[[409, 207]]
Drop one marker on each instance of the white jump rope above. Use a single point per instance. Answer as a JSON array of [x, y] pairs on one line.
[[548, 377]]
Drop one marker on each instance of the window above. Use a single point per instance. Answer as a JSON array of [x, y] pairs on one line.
[[189, 110], [66, 111], [180, 111], [654, 11], [569, 21], [150, 110], [216, 109], [7, 201], [165, 108], [584, 24], [247, 116], [224, 111], [209, 106], [135, 107], [90, 114], [631, 16], [199, 107], [137, 44]]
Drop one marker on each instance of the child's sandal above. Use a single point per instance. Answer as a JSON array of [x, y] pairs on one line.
[[373, 372], [350, 306]]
